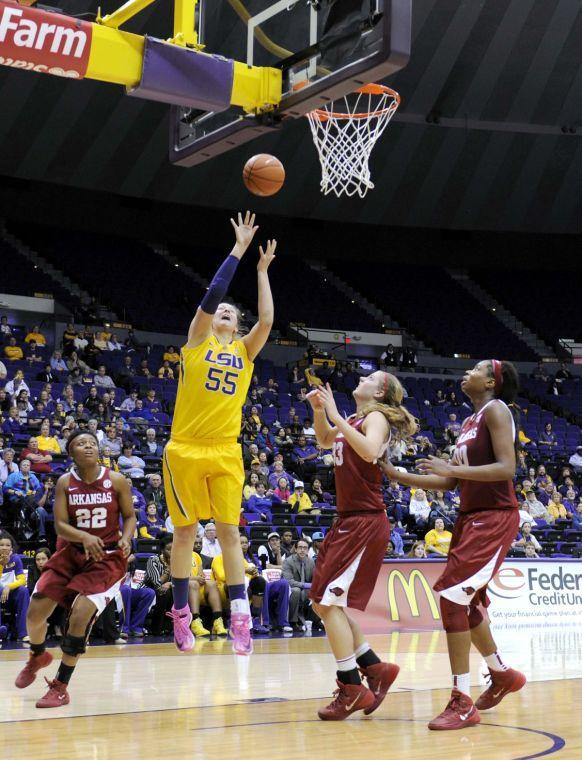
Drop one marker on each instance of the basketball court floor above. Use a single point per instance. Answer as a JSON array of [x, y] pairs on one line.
[[147, 700]]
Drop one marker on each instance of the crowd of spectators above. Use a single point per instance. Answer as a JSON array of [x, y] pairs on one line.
[[123, 392]]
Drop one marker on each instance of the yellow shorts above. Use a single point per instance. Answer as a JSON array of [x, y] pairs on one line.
[[203, 480]]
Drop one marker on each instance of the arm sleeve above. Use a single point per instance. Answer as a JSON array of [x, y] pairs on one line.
[[219, 285], [19, 573]]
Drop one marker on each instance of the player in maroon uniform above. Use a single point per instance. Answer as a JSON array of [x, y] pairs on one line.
[[86, 573], [483, 464], [349, 561]]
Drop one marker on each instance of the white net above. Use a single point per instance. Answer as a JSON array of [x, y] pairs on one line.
[[345, 138]]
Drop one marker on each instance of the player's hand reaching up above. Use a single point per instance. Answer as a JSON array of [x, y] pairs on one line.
[[266, 256], [244, 230], [94, 547], [326, 395], [315, 400]]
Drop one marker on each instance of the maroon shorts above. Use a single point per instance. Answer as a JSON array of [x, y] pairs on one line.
[[350, 559], [68, 573], [479, 545]]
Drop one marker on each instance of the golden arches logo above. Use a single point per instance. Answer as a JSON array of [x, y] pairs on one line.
[[409, 588]]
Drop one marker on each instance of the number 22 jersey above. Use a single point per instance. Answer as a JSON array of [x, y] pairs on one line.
[[94, 507], [212, 389]]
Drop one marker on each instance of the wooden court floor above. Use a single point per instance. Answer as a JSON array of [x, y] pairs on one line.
[[149, 701]]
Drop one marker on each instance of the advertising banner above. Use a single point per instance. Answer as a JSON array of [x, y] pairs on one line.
[[532, 593]]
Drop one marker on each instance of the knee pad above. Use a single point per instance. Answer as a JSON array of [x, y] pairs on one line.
[[73, 645], [475, 616], [455, 617], [257, 586]]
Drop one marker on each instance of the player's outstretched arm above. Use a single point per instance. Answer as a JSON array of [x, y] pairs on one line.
[[259, 335], [201, 325], [417, 481]]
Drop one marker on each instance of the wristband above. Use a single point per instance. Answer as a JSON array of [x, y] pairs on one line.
[[219, 285]]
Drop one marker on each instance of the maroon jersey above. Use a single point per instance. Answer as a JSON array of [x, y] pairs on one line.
[[475, 448], [94, 507], [358, 483]]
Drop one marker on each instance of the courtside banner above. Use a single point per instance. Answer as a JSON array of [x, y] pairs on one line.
[[531, 593], [50, 43]]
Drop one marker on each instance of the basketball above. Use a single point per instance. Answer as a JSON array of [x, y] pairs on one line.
[[263, 174]]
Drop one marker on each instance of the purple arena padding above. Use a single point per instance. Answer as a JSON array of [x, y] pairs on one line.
[[182, 77]]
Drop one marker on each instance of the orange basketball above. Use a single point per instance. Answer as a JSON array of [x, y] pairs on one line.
[[264, 174]]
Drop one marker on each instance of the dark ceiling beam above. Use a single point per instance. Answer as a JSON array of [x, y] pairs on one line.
[[468, 123]]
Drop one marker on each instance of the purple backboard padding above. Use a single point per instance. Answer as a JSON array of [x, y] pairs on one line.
[[181, 77]]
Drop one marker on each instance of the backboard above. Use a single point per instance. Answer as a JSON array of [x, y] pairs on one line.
[[325, 49]]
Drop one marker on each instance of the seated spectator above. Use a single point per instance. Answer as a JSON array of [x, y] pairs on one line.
[[531, 552], [138, 501], [151, 402], [92, 401], [171, 356], [158, 577], [129, 463], [140, 415], [47, 375], [304, 456], [153, 525], [250, 487], [577, 516], [307, 429], [165, 372], [535, 507], [296, 428], [12, 351], [269, 554], [299, 500], [419, 511], [570, 501], [317, 494], [575, 460], [20, 490], [256, 589], [452, 429], [298, 571], [46, 441], [317, 540], [40, 461], [113, 440], [556, 509], [113, 343], [278, 473], [127, 374], [265, 440], [547, 440], [438, 540], [264, 469], [287, 543], [137, 601], [7, 465], [155, 492], [275, 597], [390, 550], [283, 441], [107, 460], [203, 592], [74, 363], [5, 328], [102, 380], [144, 370], [151, 447], [260, 503], [68, 339], [33, 354], [13, 425], [524, 537], [13, 591], [3, 371], [418, 550], [396, 538], [16, 385], [210, 544], [568, 484], [58, 364], [282, 493]]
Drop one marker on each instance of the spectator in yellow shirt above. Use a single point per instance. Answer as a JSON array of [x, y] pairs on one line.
[[556, 509], [438, 540], [203, 592], [300, 501], [171, 355], [165, 372], [13, 352], [219, 575], [36, 336], [46, 441]]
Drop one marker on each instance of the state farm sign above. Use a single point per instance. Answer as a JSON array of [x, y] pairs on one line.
[[50, 43]]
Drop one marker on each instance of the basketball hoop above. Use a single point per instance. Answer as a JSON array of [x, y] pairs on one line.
[[345, 139]]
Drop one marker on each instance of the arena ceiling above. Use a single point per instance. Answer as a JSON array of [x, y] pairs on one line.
[[502, 79]]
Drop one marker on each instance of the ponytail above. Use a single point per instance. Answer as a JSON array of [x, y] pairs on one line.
[[401, 423], [506, 390]]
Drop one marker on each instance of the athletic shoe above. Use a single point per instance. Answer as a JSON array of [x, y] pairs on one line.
[[56, 696], [459, 713], [183, 636], [198, 629], [123, 635], [240, 632], [136, 634], [218, 628], [28, 673], [502, 683], [380, 678], [286, 629], [348, 698]]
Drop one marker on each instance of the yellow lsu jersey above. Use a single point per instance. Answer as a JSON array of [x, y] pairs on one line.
[[212, 389]]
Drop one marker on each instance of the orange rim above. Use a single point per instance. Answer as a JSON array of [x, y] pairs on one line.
[[367, 89]]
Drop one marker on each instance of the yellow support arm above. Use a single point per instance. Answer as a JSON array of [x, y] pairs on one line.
[[185, 24]]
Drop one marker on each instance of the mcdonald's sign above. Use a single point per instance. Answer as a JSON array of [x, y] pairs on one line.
[[412, 586]]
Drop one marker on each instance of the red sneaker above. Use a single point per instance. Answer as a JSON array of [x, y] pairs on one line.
[[347, 699], [56, 696], [28, 673], [502, 683], [380, 678], [459, 713]]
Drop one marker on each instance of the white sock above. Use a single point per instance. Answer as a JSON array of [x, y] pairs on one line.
[[463, 683], [362, 649], [348, 663], [495, 662], [240, 605]]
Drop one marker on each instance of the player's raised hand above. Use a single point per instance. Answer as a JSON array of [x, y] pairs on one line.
[[326, 395], [244, 230], [315, 400], [266, 256]]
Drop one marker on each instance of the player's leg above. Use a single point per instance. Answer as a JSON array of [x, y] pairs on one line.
[[73, 644], [240, 611], [196, 626], [503, 679], [39, 611], [214, 601]]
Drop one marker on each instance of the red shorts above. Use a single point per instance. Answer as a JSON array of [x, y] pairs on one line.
[[350, 559], [479, 545], [68, 573]]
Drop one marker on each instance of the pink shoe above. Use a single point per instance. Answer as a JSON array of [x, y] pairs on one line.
[[240, 631], [183, 636]]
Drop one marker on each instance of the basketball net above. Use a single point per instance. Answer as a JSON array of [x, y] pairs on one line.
[[345, 139]]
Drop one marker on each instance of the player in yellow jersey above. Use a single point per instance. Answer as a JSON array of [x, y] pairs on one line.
[[203, 470]]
